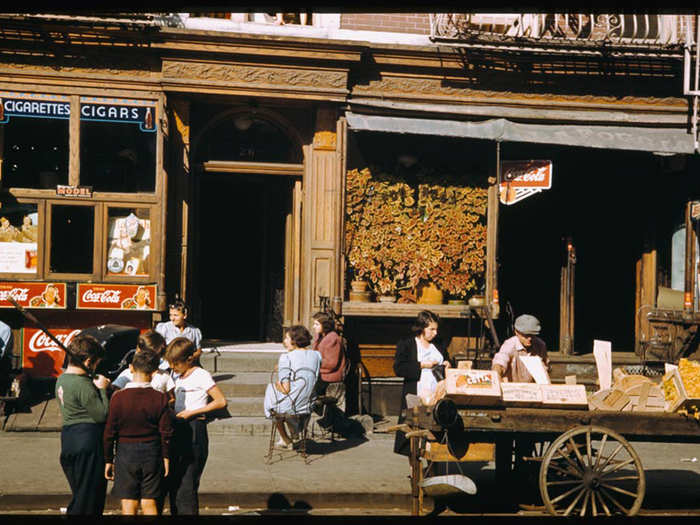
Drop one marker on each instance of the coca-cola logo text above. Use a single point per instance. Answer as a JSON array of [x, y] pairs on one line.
[[108, 296], [18, 294], [40, 342]]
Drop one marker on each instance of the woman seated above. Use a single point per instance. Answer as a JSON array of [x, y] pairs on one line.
[[298, 371]]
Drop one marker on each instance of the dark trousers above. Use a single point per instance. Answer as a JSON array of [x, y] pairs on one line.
[[190, 451], [82, 460]]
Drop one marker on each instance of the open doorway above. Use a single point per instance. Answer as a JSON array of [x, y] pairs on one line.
[[241, 255], [603, 200]]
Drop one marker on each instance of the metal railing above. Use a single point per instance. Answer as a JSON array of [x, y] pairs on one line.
[[615, 28]]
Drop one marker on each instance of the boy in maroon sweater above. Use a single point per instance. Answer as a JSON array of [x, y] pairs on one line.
[[140, 423]]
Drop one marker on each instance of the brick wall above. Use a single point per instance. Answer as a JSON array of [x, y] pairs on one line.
[[416, 23]]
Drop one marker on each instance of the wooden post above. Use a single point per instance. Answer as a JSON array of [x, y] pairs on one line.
[[492, 236], [566, 301], [416, 477], [74, 145], [689, 296]]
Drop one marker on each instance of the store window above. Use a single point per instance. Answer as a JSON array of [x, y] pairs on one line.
[[72, 239], [118, 145], [34, 131], [19, 232], [128, 242]]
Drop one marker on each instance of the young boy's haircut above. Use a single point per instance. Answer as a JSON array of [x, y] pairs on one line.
[[145, 361], [179, 350], [178, 305], [299, 335], [84, 347], [151, 340]]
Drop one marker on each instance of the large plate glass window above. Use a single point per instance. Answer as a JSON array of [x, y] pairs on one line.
[[118, 144], [128, 242], [19, 237], [72, 239], [34, 137]]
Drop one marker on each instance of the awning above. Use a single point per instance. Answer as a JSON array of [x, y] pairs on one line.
[[661, 140]]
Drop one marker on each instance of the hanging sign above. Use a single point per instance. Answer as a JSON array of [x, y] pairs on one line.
[[522, 178], [116, 296], [41, 356], [33, 294], [73, 191], [35, 105], [123, 111]]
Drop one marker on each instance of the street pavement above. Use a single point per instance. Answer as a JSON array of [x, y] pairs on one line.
[[359, 477]]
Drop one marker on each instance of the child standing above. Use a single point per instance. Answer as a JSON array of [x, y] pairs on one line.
[[179, 327], [84, 405], [150, 341], [193, 388], [140, 422]]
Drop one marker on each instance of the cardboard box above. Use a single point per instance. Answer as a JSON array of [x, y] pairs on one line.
[[564, 396], [473, 387], [521, 394]]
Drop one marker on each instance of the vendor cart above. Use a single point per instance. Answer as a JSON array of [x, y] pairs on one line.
[[587, 466]]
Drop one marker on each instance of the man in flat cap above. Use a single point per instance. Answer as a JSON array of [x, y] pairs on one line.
[[524, 342]]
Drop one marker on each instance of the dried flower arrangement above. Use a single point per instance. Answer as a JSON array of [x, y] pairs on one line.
[[396, 240]]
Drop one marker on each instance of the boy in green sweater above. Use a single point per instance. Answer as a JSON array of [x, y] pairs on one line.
[[84, 406]]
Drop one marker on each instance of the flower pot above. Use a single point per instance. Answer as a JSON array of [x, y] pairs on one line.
[[387, 298], [358, 286], [456, 302], [477, 300], [430, 295]]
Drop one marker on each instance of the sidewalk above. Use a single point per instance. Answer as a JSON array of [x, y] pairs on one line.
[[347, 473]]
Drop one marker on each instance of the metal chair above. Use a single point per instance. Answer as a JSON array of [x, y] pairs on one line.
[[296, 419]]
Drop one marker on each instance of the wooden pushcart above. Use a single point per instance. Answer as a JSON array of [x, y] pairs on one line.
[[588, 466]]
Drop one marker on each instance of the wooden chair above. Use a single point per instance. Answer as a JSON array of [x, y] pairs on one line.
[[297, 418]]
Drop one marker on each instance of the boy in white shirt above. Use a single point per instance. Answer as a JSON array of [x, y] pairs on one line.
[[151, 341]]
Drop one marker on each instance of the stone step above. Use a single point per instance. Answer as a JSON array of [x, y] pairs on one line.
[[245, 406], [236, 362], [241, 425], [245, 384]]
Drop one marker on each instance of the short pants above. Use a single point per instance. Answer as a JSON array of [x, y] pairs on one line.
[[138, 471]]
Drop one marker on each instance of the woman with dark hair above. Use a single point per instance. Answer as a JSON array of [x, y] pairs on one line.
[[298, 371], [415, 357], [329, 344]]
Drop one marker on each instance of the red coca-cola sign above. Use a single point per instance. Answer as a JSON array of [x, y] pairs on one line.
[[33, 294], [116, 296], [41, 356]]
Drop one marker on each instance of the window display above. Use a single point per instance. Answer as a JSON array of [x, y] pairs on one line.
[[128, 241], [19, 232], [72, 239]]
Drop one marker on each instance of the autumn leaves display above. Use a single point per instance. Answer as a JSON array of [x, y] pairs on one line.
[[400, 235]]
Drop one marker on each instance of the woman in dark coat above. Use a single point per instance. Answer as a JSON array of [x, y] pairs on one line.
[[415, 356]]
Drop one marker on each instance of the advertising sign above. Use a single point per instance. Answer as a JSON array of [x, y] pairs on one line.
[[116, 296], [125, 111], [41, 357], [33, 105], [33, 295], [522, 178]]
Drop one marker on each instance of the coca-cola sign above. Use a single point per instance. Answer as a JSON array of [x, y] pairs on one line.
[[41, 356], [522, 178], [33, 294], [116, 296]]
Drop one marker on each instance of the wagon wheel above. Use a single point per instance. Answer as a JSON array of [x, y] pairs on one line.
[[587, 471]]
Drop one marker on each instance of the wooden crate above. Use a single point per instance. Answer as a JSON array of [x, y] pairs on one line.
[[473, 387], [675, 394], [564, 396], [521, 394]]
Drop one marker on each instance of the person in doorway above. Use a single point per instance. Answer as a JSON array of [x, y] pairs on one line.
[[524, 342], [194, 387], [142, 438], [84, 405], [178, 326], [414, 360]]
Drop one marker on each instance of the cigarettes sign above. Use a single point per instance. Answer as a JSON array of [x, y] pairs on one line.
[[33, 295], [33, 105], [116, 296], [522, 178]]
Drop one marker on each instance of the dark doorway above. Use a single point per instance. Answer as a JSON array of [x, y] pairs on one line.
[[241, 255], [602, 199]]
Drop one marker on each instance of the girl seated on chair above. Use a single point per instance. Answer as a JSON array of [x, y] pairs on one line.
[[298, 371]]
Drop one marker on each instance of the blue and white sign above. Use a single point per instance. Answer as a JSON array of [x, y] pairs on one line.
[[33, 105], [124, 111]]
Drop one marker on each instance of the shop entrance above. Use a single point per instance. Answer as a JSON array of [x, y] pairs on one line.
[[608, 203], [241, 255]]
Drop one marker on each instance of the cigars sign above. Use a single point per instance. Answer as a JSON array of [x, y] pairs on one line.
[[41, 357], [116, 296], [33, 295], [523, 178]]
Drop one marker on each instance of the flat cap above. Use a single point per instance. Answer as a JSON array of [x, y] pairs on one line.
[[527, 324]]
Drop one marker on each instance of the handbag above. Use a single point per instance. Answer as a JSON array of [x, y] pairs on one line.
[[438, 372]]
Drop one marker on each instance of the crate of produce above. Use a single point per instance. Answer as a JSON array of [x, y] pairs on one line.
[[681, 386], [521, 394], [564, 396], [473, 387]]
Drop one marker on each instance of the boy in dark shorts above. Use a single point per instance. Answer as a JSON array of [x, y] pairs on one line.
[[140, 422]]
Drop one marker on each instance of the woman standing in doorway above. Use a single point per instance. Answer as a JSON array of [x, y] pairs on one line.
[[415, 357]]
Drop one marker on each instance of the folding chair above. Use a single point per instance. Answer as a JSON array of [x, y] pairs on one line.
[[297, 418]]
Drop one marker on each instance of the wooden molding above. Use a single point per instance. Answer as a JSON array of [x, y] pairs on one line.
[[358, 309], [263, 168]]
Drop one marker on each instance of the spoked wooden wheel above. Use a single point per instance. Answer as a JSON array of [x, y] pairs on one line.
[[591, 471]]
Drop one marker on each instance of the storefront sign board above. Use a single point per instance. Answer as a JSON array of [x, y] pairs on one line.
[[33, 294], [42, 357], [522, 178], [116, 296], [13, 104], [125, 111], [73, 191]]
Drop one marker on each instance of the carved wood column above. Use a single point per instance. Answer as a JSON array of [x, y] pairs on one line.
[[321, 214]]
